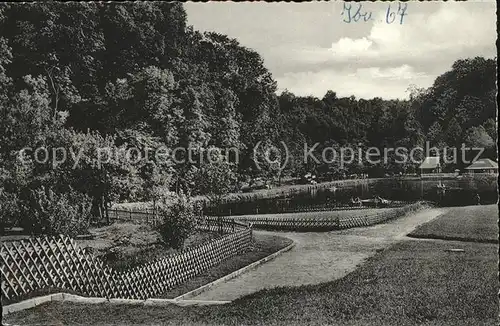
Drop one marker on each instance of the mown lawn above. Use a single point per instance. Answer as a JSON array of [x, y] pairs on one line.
[[469, 223], [412, 283], [315, 215]]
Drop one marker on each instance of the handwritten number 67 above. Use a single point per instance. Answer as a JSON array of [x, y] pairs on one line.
[[391, 15]]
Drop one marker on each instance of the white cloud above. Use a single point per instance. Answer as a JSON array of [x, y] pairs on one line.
[[452, 29], [394, 73], [310, 50], [348, 47], [390, 83]]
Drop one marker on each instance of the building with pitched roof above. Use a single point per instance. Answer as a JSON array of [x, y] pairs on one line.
[[484, 165], [430, 165]]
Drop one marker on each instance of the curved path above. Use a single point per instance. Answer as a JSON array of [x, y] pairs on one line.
[[319, 257]]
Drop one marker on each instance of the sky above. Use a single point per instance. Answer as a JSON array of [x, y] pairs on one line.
[[310, 48]]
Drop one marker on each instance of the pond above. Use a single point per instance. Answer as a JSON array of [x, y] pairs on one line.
[[447, 192]]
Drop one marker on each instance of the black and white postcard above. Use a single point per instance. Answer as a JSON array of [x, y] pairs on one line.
[[249, 163]]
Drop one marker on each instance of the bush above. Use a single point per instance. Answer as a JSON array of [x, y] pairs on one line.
[[47, 212], [178, 221], [10, 212]]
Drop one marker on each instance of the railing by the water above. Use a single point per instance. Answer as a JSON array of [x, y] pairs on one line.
[[326, 222], [285, 207], [439, 175]]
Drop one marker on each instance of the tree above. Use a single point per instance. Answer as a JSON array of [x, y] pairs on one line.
[[453, 133], [88, 76], [478, 137], [490, 127], [49, 212], [216, 179], [29, 111], [10, 211], [435, 133], [156, 183], [270, 160], [461, 97]]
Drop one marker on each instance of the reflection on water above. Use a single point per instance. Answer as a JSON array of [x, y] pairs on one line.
[[451, 192]]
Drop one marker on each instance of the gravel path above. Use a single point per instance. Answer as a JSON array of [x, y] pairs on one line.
[[320, 257]]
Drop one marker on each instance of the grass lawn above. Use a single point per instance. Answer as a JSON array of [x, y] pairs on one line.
[[469, 223], [312, 215], [263, 245], [412, 283]]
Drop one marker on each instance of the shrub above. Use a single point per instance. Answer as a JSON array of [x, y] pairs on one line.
[[47, 212], [178, 221], [9, 210]]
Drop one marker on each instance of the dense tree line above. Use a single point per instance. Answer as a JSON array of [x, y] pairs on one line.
[[88, 76], [459, 108]]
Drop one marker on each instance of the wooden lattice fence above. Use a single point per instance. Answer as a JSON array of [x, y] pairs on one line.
[[219, 224], [279, 206], [367, 220], [58, 262], [324, 223], [291, 223], [140, 217], [343, 207], [207, 223]]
